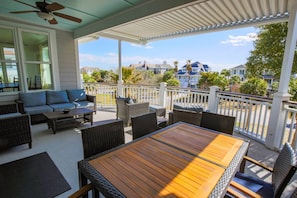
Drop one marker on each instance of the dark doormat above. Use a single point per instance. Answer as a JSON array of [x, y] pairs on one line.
[[32, 177]]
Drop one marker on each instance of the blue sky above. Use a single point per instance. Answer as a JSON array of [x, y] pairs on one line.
[[219, 50]]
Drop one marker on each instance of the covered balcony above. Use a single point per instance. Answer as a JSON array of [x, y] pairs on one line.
[[42, 54]]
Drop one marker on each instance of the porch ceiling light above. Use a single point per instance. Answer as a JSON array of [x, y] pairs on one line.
[[45, 16]]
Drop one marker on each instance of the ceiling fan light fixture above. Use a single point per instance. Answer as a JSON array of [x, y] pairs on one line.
[[45, 16]]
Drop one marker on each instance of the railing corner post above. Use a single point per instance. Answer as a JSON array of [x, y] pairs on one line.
[[120, 88], [276, 121], [163, 94], [213, 99]]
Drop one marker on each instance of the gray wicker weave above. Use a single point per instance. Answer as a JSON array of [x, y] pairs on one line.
[[144, 124], [126, 111], [218, 122], [15, 131], [190, 117], [8, 108], [102, 136], [284, 168]]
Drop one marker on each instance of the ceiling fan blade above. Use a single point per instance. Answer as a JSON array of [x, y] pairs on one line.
[[21, 12], [65, 16], [53, 7], [53, 21], [27, 4]]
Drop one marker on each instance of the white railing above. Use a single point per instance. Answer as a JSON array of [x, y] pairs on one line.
[[105, 93], [289, 127], [186, 97], [252, 113], [142, 93]]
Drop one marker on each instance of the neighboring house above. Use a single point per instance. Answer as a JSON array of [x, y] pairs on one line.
[[155, 68], [88, 70], [191, 79], [240, 71]]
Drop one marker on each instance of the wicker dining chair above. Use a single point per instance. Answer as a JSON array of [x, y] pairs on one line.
[[190, 117], [282, 172], [102, 136], [144, 124], [217, 122]]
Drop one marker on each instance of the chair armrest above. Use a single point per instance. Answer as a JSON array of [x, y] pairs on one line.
[[20, 105], [82, 191], [239, 191], [247, 158], [8, 108], [135, 109], [91, 98]]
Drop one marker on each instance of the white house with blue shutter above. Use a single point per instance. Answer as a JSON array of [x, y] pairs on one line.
[[190, 79]]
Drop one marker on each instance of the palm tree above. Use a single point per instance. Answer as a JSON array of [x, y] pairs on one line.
[[175, 66], [189, 66]]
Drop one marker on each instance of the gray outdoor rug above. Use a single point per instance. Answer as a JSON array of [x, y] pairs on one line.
[[34, 176]]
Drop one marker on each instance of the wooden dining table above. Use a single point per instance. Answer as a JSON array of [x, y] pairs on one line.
[[181, 160]]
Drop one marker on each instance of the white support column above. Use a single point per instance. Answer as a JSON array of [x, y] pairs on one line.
[[277, 116], [212, 99], [163, 94], [120, 81]]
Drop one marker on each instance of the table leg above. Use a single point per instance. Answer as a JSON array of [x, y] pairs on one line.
[[82, 182]]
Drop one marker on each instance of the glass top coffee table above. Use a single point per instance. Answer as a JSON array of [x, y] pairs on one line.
[[58, 119]]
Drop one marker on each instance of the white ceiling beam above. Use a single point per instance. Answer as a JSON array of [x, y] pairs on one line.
[[148, 8]]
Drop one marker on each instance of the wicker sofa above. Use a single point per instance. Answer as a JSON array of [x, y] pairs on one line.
[[37, 103], [15, 127]]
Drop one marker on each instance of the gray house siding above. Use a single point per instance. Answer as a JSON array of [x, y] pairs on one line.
[[67, 60]]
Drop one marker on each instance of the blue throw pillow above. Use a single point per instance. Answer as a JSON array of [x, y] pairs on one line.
[[76, 95], [33, 99], [56, 97]]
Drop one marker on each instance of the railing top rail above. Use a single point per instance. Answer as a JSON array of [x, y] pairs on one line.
[[246, 96], [188, 89]]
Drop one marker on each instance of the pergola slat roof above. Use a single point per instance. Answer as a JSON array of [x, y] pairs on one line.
[[196, 17]]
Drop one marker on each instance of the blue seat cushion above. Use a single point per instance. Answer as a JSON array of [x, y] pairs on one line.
[[56, 97], [254, 184], [33, 99], [9, 115], [60, 107], [76, 95], [38, 109], [80, 104]]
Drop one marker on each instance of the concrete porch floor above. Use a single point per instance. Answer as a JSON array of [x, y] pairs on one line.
[[65, 149]]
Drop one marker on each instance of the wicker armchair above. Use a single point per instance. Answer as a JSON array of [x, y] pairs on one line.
[[218, 122], [282, 172], [144, 124], [125, 111], [190, 117], [15, 131]]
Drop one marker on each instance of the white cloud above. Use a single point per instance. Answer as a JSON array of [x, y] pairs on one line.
[[240, 40], [146, 46]]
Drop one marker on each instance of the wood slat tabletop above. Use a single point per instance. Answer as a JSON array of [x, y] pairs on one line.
[[149, 168], [215, 147], [181, 160]]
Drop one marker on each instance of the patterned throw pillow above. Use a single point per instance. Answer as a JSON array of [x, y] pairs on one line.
[[194, 108]]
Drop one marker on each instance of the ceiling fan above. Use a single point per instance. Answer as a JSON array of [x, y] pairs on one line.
[[46, 11]]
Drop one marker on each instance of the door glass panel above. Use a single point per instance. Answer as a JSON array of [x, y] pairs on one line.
[[37, 58], [9, 78]]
